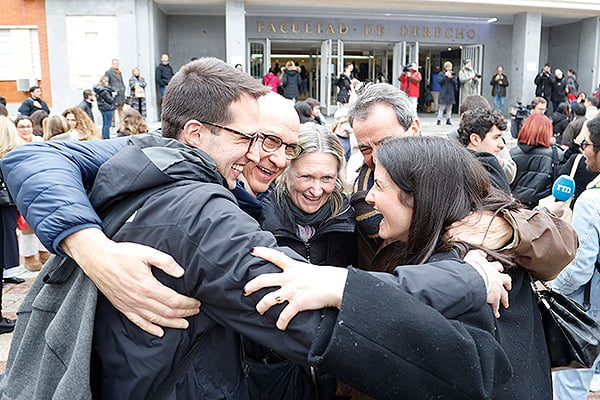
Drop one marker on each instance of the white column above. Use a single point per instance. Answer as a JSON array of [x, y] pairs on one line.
[[589, 55], [235, 33], [527, 33]]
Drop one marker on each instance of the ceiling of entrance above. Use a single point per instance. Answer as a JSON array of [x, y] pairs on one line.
[[554, 12]]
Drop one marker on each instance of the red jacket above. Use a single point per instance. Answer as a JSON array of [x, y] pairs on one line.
[[411, 85], [271, 80]]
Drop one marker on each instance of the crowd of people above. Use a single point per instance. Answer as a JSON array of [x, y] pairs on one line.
[[313, 283]]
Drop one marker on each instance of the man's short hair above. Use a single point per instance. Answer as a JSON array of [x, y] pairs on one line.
[[383, 93], [474, 102], [538, 100], [578, 109], [3, 110], [3, 100], [87, 93], [593, 126], [479, 121], [33, 88], [593, 101], [203, 90]]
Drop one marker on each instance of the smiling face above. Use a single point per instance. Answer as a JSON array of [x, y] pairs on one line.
[[311, 180], [277, 117], [385, 196], [381, 122], [591, 153], [230, 151], [25, 129]]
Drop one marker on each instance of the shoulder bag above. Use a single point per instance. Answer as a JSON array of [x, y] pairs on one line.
[[5, 197], [572, 336]]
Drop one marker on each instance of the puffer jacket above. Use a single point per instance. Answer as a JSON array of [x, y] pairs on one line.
[[535, 173], [291, 83], [332, 243], [105, 98]]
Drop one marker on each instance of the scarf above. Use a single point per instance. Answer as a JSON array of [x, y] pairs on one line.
[[306, 224]]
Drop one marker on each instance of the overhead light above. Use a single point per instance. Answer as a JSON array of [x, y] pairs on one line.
[[449, 48], [492, 20]]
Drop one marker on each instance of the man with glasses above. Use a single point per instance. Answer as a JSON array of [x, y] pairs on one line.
[[583, 271]]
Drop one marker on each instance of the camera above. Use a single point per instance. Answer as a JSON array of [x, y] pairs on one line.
[[406, 68], [523, 111]]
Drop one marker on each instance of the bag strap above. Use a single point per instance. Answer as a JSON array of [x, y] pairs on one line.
[[587, 290], [575, 165]]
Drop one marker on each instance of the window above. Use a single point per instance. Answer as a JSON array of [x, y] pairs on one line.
[[19, 53]]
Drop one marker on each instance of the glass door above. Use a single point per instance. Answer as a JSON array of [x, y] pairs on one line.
[[332, 65], [404, 53], [475, 53], [260, 58]]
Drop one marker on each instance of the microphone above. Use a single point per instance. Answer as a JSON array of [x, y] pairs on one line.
[[563, 188]]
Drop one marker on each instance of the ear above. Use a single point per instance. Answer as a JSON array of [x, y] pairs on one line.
[[475, 139], [193, 133], [415, 127]]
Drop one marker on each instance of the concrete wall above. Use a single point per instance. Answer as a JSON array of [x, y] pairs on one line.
[[195, 36], [159, 44], [588, 73], [495, 50]]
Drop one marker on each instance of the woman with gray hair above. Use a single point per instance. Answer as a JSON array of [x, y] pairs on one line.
[[309, 212]]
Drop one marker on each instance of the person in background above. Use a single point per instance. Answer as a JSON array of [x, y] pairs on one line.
[[133, 123], [9, 244], [163, 74], [448, 87], [315, 105], [38, 118], [410, 82], [56, 127], [341, 127], [559, 89], [435, 89], [270, 79], [137, 86], [24, 126], [3, 111], [86, 103], [33, 103], [543, 85], [591, 107], [291, 82], [538, 105], [304, 112], [344, 83], [115, 80], [81, 125], [468, 80], [499, 84], [560, 121], [582, 272], [239, 67], [536, 159], [572, 84], [105, 97]]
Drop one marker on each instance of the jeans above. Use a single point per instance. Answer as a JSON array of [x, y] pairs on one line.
[[106, 121], [499, 103], [162, 92]]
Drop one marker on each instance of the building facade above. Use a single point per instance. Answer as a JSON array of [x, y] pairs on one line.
[[379, 37]]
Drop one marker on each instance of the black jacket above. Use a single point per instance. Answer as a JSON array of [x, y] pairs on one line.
[[491, 164], [332, 243], [344, 84], [164, 73], [105, 98], [491, 358], [559, 122], [535, 172], [87, 107], [291, 83], [543, 85], [559, 89]]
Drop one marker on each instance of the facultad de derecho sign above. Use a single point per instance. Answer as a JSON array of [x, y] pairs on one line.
[[366, 30]]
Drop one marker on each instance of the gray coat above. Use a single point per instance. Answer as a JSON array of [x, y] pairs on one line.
[[115, 80]]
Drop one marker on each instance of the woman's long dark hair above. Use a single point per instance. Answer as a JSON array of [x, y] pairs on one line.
[[445, 182]]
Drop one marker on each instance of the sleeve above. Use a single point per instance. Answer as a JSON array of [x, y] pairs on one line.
[[416, 78], [131, 84], [545, 243], [509, 168], [452, 287], [586, 221], [142, 82], [157, 75], [49, 181], [506, 82], [25, 108], [215, 251], [440, 78], [463, 77], [492, 81], [382, 339]]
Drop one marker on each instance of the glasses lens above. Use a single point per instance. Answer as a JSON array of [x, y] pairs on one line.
[[293, 150], [271, 143], [583, 145]]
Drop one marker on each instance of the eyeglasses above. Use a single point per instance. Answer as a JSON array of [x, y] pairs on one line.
[[584, 145], [250, 136], [271, 143]]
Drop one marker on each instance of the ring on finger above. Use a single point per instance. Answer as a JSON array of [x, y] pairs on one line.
[[279, 299]]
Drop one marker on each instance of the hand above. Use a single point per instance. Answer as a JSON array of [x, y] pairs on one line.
[[555, 207], [123, 274], [473, 229], [497, 283], [304, 286]]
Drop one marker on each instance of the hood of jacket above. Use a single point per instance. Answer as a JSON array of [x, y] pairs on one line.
[[528, 148], [291, 72], [149, 161]]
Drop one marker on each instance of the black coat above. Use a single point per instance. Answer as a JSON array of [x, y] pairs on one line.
[[535, 172], [388, 347], [164, 73], [543, 83], [104, 98], [497, 174], [344, 84], [495, 85], [559, 122], [115, 80], [291, 83], [448, 88], [87, 107], [559, 89], [332, 243]]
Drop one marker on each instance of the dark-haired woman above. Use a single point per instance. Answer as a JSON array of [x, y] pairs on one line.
[[416, 211], [106, 99], [304, 112]]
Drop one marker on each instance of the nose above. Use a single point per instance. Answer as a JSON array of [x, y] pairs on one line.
[[278, 158], [253, 153], [370, 198], [316, 190]]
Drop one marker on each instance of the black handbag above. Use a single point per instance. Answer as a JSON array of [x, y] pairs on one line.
[[572, 336], [5, 198]]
